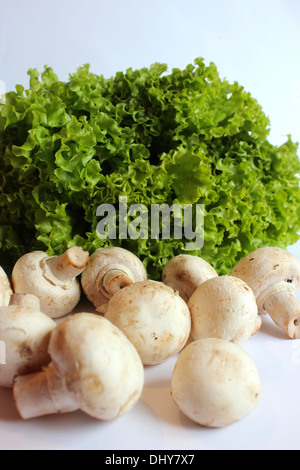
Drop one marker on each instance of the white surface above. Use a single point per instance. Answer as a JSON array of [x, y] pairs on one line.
[[253, 42]]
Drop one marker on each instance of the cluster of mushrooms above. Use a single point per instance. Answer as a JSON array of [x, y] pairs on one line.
[[58, 361]]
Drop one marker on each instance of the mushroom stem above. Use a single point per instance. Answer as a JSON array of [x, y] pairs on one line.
[[115, 280], [284, 309], [32, 397], [41, 394], [67, 266], [25, 300]]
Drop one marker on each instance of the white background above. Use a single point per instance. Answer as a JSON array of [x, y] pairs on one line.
[[253, 42]]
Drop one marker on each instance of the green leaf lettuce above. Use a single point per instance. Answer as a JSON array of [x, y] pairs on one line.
[[185, 137]]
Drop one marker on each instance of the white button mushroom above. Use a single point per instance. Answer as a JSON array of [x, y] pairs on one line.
[[51, 279], [25, 331], [215, 383], [274, 276], [5, 288], [94, 368], [224, 307], [153, 317], [109, 270], [187, 272]]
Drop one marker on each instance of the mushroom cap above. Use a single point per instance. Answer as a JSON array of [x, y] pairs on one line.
[[224, 307], [103, 260], [215, 383], [269, 270], [55, 300], [100, 368], [25, 332], [187, 272], [153, 317], [5, 288]]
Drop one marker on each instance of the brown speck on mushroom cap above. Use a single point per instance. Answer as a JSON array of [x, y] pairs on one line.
[[146, 307], [224, 307], [110, 270], [185, 273], [215, 383], [267, 270], [274, 276]]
